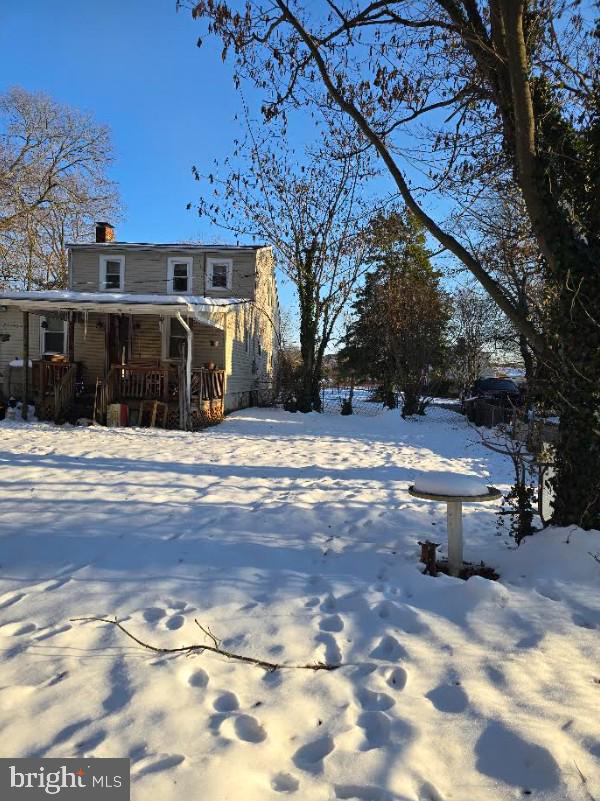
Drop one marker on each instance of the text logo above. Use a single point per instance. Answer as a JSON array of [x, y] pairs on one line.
[[33, 779]]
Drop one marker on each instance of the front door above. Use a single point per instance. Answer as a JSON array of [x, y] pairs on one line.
[[118, 339]]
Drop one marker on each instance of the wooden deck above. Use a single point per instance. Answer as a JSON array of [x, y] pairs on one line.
[[131, 384], [53, 388]]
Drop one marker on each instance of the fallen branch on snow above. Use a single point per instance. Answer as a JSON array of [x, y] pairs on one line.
[[214, 648]]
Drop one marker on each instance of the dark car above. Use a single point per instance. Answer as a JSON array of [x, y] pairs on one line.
[[497, 390]]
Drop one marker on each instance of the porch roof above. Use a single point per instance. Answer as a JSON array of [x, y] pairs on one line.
[[197, 306]]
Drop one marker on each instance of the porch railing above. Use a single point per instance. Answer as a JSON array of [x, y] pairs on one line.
[[207, 384], [64, 391], [47, 375], [137, 383], [132, 382]]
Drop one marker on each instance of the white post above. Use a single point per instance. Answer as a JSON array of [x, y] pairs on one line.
[[188, 373], [455, 537]]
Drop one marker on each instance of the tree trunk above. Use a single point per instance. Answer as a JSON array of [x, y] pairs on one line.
[[528, 359], [576, 396]]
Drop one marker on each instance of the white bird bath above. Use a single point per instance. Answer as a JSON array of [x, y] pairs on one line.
[[454, 504]]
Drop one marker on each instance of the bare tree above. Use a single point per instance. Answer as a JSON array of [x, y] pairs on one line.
[[313, 213], [53, 184], [498, 230], [466, 90], [477, 331]]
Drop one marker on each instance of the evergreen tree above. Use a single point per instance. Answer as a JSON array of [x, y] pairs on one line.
[[397, 333]]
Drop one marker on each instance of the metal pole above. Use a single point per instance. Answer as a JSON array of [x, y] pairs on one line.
[[455, 537], [25, 401]]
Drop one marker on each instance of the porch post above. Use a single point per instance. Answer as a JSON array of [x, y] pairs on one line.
[[25, 400], [188, 373], [71, 337]]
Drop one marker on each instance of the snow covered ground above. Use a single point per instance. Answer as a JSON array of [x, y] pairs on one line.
[[294, 538]]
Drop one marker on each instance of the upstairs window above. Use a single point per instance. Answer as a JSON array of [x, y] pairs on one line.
[[112, 273], [53, 335], [218, 273], [179, 279]]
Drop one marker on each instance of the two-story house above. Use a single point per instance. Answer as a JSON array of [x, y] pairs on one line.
[[192, 326]]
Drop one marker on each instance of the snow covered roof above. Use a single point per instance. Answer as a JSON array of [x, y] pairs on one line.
[[197, 306], [114, 245]]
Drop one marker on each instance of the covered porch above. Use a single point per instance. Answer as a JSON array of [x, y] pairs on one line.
[[123, 349]]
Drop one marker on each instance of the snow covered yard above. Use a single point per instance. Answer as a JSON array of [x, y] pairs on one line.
[[294, 538]]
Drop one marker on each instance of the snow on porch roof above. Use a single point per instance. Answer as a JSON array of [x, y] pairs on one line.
[[118, 302]]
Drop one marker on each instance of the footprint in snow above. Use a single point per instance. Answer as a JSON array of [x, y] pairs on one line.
[[158, 763], [310, 757], [91, 742], [333, 655], [377, 727], [175, 622], [331, 623], [249, 729], [153, 614], [52, 632], [364, 670], [389, 649], [397, 678], [374, 701], [199, 678], [17, 629], [361, 792], [429, 792], [227, 702], [179, 605], [284, 783], [329, 604], [450, 698], [10, 598]]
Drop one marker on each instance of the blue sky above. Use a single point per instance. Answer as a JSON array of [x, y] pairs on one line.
[[136, 67]]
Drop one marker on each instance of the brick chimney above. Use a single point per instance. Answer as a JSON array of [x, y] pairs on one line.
[[104, 232]]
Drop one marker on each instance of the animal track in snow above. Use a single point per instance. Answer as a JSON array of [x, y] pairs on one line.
[[385, 609], [331, 623], [373, 701], [153, 613], [364, 670], [249, 729], [389, 649], [91, 742], [156, 765], [361, 792], [397, 678], [53, 632], [377, 728], [449, 698], [284, 783], [17, 628], [228, 702], [310, 757], [199, 678], [175, 622], [429, 792], [121, 692], [329, 604], [333, 655], [8, 599]]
